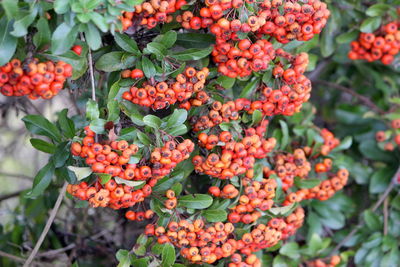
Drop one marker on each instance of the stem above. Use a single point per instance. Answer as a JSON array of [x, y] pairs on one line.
[[364, 100], [47, 226], [92, 75], [374, 208], [11, 257], [11, 195]]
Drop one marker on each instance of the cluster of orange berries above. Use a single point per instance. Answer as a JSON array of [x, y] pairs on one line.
[[256, 196], [288, 166], [33, 78], [382, 45], [382, 137], [249, 261], [139, 215], [171, 201], [294, 88], [111, 194], [235, 158], [169, 92], [114, 159], [325, 190], [150, 13], [228, 191], [198, 243], [134, 74], [331, 262], [330, 141]]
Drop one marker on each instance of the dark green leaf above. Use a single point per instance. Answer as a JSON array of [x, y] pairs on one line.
[[217, 215], [177, 118], [371, 24], [37, 124], [191, 54], [168, 255], [126, 43], [21, 25], [8, 43], [152, 121], [306, 183], [196, 201], [42, 180], [43, 35], [63, 38], [66, 124], [148, 68], [43, 145], [115, 61]]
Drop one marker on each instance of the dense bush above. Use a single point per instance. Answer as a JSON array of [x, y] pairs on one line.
[[213, 133]]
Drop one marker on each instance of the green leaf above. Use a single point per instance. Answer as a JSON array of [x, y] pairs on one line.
[[10, 7], [306, 183], [196, 201], [290, 250], [93, 36], [61, 6], [285, 134], [377, 10], [372, 220], [226, 82], [347, 37], [126, 43], [43, 35], [112, 103], [97, 126], [66, 124], [148, 68], [195, 40], [178, 117], [104, 177], [315, 244], [249, 88], [256, 117], [177, 130], [216, 215], [344, 144], [168, 255], [130, 183], [143, 138], [81, 172], [99, 20], [279, 261], [61, 154], [43, 146], [371, 24], [157, 49], [21, 25], [115, 61], [63, 38], [191, 54], [37, 124], [152, 121], [8, 43], [282, 210], [123, 258], [168, 39], [92, 110], [78, 63], [42, 180]]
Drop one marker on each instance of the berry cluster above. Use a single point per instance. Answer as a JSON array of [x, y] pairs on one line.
[[33, 78], [256, 195], [111, 194], [166, 93], [330, 262], [228, 191], [139, 216], [288, 166], [114, 159], [150, 13], [249, 261], [325, 190], [134, 74], [382, 45], [390, 136], [171, 201], [235, 158], [330, 141]]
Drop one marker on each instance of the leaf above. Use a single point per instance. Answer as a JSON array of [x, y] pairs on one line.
[[10, 7], [43, 35], [371, 24], [168, 39], [256, 117], [377, 10], [178, 117], [372, 220], [115, 61], [130, 183], [285, 134], [380, 180], [195, 40], [8, 43], [226, 82], [148, 68], [249, 88], [104, 177], [152, 121], [61, 6], [42, 180], [157, 49], [93, 36], [344, 144], [97, 126], [123, 258], [92, 110], [112, 103], [217, 215], [99, 20], [168, 255], [63, 38], [143, 138], [370, 150], [78, 63], [196, 201], [37, 124], [43, 146], [21, 25], [127, 44], [290, 250], [61, 154], [81, 172], [177, 130], [306, 183], [192, 54], [347, 37], [66, 124]]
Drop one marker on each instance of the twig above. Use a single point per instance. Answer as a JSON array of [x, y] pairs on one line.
[[11, 257], [385, 216], [47, 226], [55, 252], [92, 75], [11, 195], [374, 208], [365, 100], [16, 175]]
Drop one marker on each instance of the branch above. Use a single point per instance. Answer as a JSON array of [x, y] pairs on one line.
[[11, 257], [92, 75], [11, 195], [47, 226], [364, 100], [374, 208]]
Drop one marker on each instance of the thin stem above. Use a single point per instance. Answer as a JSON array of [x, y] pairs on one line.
[[92, 75], [11, 257], [11, 195], [47, 226], [364, 100]]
